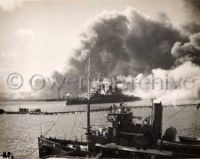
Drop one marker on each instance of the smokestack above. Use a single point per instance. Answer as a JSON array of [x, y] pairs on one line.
[[157, 121]]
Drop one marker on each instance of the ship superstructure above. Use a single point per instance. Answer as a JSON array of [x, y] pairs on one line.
[[125, 138]]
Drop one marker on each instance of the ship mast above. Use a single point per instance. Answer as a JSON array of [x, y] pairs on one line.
[[88, 106]]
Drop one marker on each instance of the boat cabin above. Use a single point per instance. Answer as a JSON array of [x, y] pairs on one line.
[[125, 129]]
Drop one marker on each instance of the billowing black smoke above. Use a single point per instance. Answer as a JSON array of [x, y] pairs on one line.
[[128, 42], [191, 28], [189, 51]]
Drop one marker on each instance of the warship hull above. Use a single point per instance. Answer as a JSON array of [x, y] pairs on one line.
[[102, 99]]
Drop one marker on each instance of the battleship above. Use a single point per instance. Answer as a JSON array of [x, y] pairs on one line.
[[112, 95], [128, 136]]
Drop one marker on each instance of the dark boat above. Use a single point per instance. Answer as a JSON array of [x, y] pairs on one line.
[[181, 149], [191, 140], [102, 98], [100, 94], [125, 138], [2, 111]]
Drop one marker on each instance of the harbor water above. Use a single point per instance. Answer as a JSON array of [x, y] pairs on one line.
[[19, 132]]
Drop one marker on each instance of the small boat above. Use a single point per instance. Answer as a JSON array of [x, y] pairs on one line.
[[190, 140], [181, 150], [7, 155], [2, 111], [125, 138]]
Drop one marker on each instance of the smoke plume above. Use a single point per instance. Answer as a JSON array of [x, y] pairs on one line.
[[131, 46], [189, 51], [129, 42]]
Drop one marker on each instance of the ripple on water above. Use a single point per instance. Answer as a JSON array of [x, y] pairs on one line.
[[19, 132]]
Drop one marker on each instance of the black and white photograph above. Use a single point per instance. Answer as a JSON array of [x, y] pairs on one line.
[[100, 79]]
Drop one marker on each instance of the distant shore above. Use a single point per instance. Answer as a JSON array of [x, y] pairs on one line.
[[30, 100]]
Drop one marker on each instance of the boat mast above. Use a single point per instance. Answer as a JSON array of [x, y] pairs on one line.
[[88, 106]]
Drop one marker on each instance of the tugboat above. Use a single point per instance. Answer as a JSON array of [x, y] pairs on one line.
[[125, 138]]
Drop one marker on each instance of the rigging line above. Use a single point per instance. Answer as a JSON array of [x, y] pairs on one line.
[[52, 126], [77, 129], [82, 119], [68, 124], [27, 156], [101, 117], [82, 125], [34, 150], [179, 111], [101, 120], [79, 121], [196, 124], [72, 130], [30, 153]]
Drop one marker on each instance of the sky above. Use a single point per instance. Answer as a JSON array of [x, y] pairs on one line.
[[40, 36]]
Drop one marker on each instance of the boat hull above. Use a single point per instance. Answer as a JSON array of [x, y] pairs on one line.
[[102, 99], [181, 150], [49, 147], [189, 140]]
